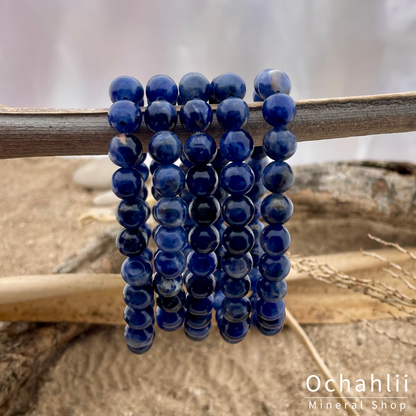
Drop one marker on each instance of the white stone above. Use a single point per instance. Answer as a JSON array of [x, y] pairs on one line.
[[106, 198], [95, 174]]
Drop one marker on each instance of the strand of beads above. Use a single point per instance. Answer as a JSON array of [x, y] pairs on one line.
[[204, 209], [279, 144], [170, 210], [132, 213], [237, 179]]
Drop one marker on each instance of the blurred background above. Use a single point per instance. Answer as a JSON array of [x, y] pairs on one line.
[[66, 53]]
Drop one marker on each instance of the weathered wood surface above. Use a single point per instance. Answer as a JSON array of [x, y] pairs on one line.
[[26, 132]]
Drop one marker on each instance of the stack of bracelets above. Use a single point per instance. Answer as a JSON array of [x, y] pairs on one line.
[[210, 209]]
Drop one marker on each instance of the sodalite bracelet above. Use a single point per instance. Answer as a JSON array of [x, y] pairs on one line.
[[208, 208]]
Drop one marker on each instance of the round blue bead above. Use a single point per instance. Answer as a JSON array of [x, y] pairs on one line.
[[256, 226], [256, 253], [201, 264], [228, 85], [235, 310], [199, 306], [146, 255], [237, 266], [196, 115], [234, 332], [270, 311], [254, 276], [142, 158], [272, 81], [125, 116], [126, 88], [165, 147], [185, 160], [219, 161], [136, 271], [218, 274], [144, 193], [125, 150], [170, 212], [170, 265], [181, 101], [218, 298], [127, 183], [275, 239], [276, 209], [171, 240], [237, 178], [204, 211], [198, 321], [197, 335], [170, 321], [139, 318], [220, 194], [204, 238], [256, 97], [141, 350], [277, 323], [279, 110], [172, 303], [160, 115], [271, 291], [184, 168], [278, 177], [260, 328], [167, 287], [257, 209], [138, 298], [238, 210], [132, 242], [201, 181], [186, 196], [220, 252], [161, 87], [153, 166], [221, 228], [238, 240], [235, 288], [200, 287], [132, 213], [200, 149], [275, 268], [257, 165], [137, 338], [194, 86], [144, 171], [169, 180], [257, 191], [236, 145], [156, 194], [280, 143], [147, 230], [233, 113]]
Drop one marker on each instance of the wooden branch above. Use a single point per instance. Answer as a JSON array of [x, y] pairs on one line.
[[26, 132]]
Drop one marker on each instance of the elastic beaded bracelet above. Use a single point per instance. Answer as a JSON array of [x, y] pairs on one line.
[[279, 144], [237, 179], [125, 150], [204, 209]]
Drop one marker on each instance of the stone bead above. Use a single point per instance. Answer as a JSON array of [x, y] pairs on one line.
[[235, 288], [257, 191], [125, 150], [228, 85], [236, 310], [220, 252], [256, 253], [204, 238], [147, 230], [132, 242], [139, 318], [201, 264], [279, 110], [170, 321], [136, 271], [236, 145], [204, 211], [171, 240], [144, 193], [169, 180], [276, 209], [256, 97], [280, 143], [238, 210], [165, 147], [143, 170], [170, 265], [238, 240], [219, 161], [200, 149], [196, 116], [257, 166], [237, 267], [132, 213], [186, 196], [172, 303], [125, 116], [198, 321], [271, 81], [156, 195], [160, 115], [256, 226], [270, 311], [194, 86], [275, 239], [200, 287], [170, 212], [197, 335], [146, 255], [237, 178], [233, 113], [199, 306], [271, 291], [220, 194], [257, 209], [277, 323], [127, 183], [141, 350], [201, 181], [275, 268], [234, 332], [138, 298], [218, 274], [137, 338], [218, 298], [153, 166], [126, 88], [278, 177], [161, 87], [260, 328], [254, 278]]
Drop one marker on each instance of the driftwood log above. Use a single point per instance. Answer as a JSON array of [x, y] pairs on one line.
[[26, 132]]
